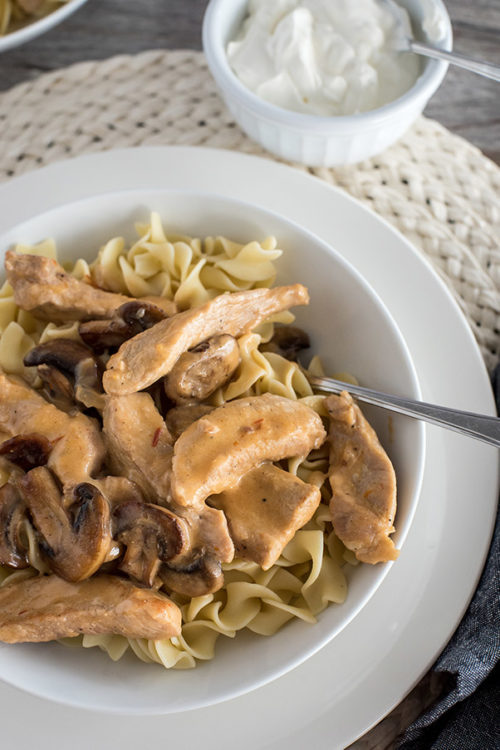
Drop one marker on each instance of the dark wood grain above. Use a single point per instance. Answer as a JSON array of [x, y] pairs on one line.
[[465, 103]]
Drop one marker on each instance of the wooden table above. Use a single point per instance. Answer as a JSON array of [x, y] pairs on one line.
[[466, 104]]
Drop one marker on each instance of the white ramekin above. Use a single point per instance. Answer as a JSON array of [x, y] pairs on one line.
[[311, 139]]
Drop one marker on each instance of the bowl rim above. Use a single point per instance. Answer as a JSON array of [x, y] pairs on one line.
[[379, 574], [218, 13], [39, 26]]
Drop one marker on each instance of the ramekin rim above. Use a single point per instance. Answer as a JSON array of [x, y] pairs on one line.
[[424, 87]]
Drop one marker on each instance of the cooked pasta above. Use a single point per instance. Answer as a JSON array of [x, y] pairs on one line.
[[305, 580], [188, 270], [17, 13], [309, 574]]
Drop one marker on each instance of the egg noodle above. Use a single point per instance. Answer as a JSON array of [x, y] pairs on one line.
[[13, 15], [309, 574]]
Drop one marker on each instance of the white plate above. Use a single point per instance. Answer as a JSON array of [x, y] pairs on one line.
[[347, 687], [80, 226], [40, 26]]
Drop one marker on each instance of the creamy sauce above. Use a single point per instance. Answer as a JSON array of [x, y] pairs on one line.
[[322, 57]]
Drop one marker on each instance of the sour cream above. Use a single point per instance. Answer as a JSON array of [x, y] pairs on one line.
[[322, 57], [434, 24]]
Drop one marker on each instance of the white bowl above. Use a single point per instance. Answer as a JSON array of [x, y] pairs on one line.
[[351, 329], [311, 139], [39, 26]]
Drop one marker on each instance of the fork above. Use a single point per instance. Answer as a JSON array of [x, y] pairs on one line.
[[478, 426]]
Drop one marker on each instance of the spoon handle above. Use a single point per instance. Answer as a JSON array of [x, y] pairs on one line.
[[478, 426], [475, 66]]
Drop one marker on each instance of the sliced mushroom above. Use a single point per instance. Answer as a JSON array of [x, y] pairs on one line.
[[145, 358], [13, 551], [57, 387], [27, 451], [201, 575], [128, 320], [363, 483], [46, 608], [179, 418], [200, 371], [288, 341], [217, 450], [43, 287], [100, 335], [71, 358], [78, 448], [76, 540], [151, 535]]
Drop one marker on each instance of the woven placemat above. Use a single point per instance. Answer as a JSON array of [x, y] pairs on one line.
[[436, 188]]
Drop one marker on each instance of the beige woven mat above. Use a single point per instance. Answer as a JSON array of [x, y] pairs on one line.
[[437, 189]]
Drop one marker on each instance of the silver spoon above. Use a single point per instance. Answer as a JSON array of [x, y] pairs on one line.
[[477, 426], [488, 70], [404, 42]]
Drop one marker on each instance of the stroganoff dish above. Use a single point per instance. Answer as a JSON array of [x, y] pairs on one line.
[[167, 474], [14, 14]]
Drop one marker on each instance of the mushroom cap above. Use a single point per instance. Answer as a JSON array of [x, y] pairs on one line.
[[76, 540], [141, 313], [71, 358], [27, 451], [57, 387], [128, 320], [65, 354], [287, 341], [200, 574], [151, 535], [12, 517], [204, 368]]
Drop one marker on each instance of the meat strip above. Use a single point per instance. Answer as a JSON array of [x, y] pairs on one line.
[[214, 453], [265, 510], [46, 608], [139, 448], [43, 287], [77, 447], [142, 360], [363, 482], [139, 443]]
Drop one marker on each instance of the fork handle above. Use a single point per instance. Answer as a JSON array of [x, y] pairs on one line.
[[478, 426], [475, 66]]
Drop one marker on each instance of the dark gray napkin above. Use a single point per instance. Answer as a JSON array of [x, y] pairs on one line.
[[467, 715]]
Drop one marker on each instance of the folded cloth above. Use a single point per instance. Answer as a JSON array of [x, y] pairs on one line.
[[466, 716]]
